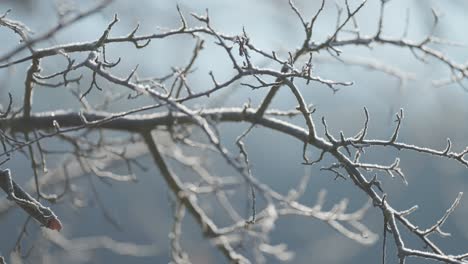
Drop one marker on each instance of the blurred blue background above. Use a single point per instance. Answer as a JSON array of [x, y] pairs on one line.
[[432, 114]]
